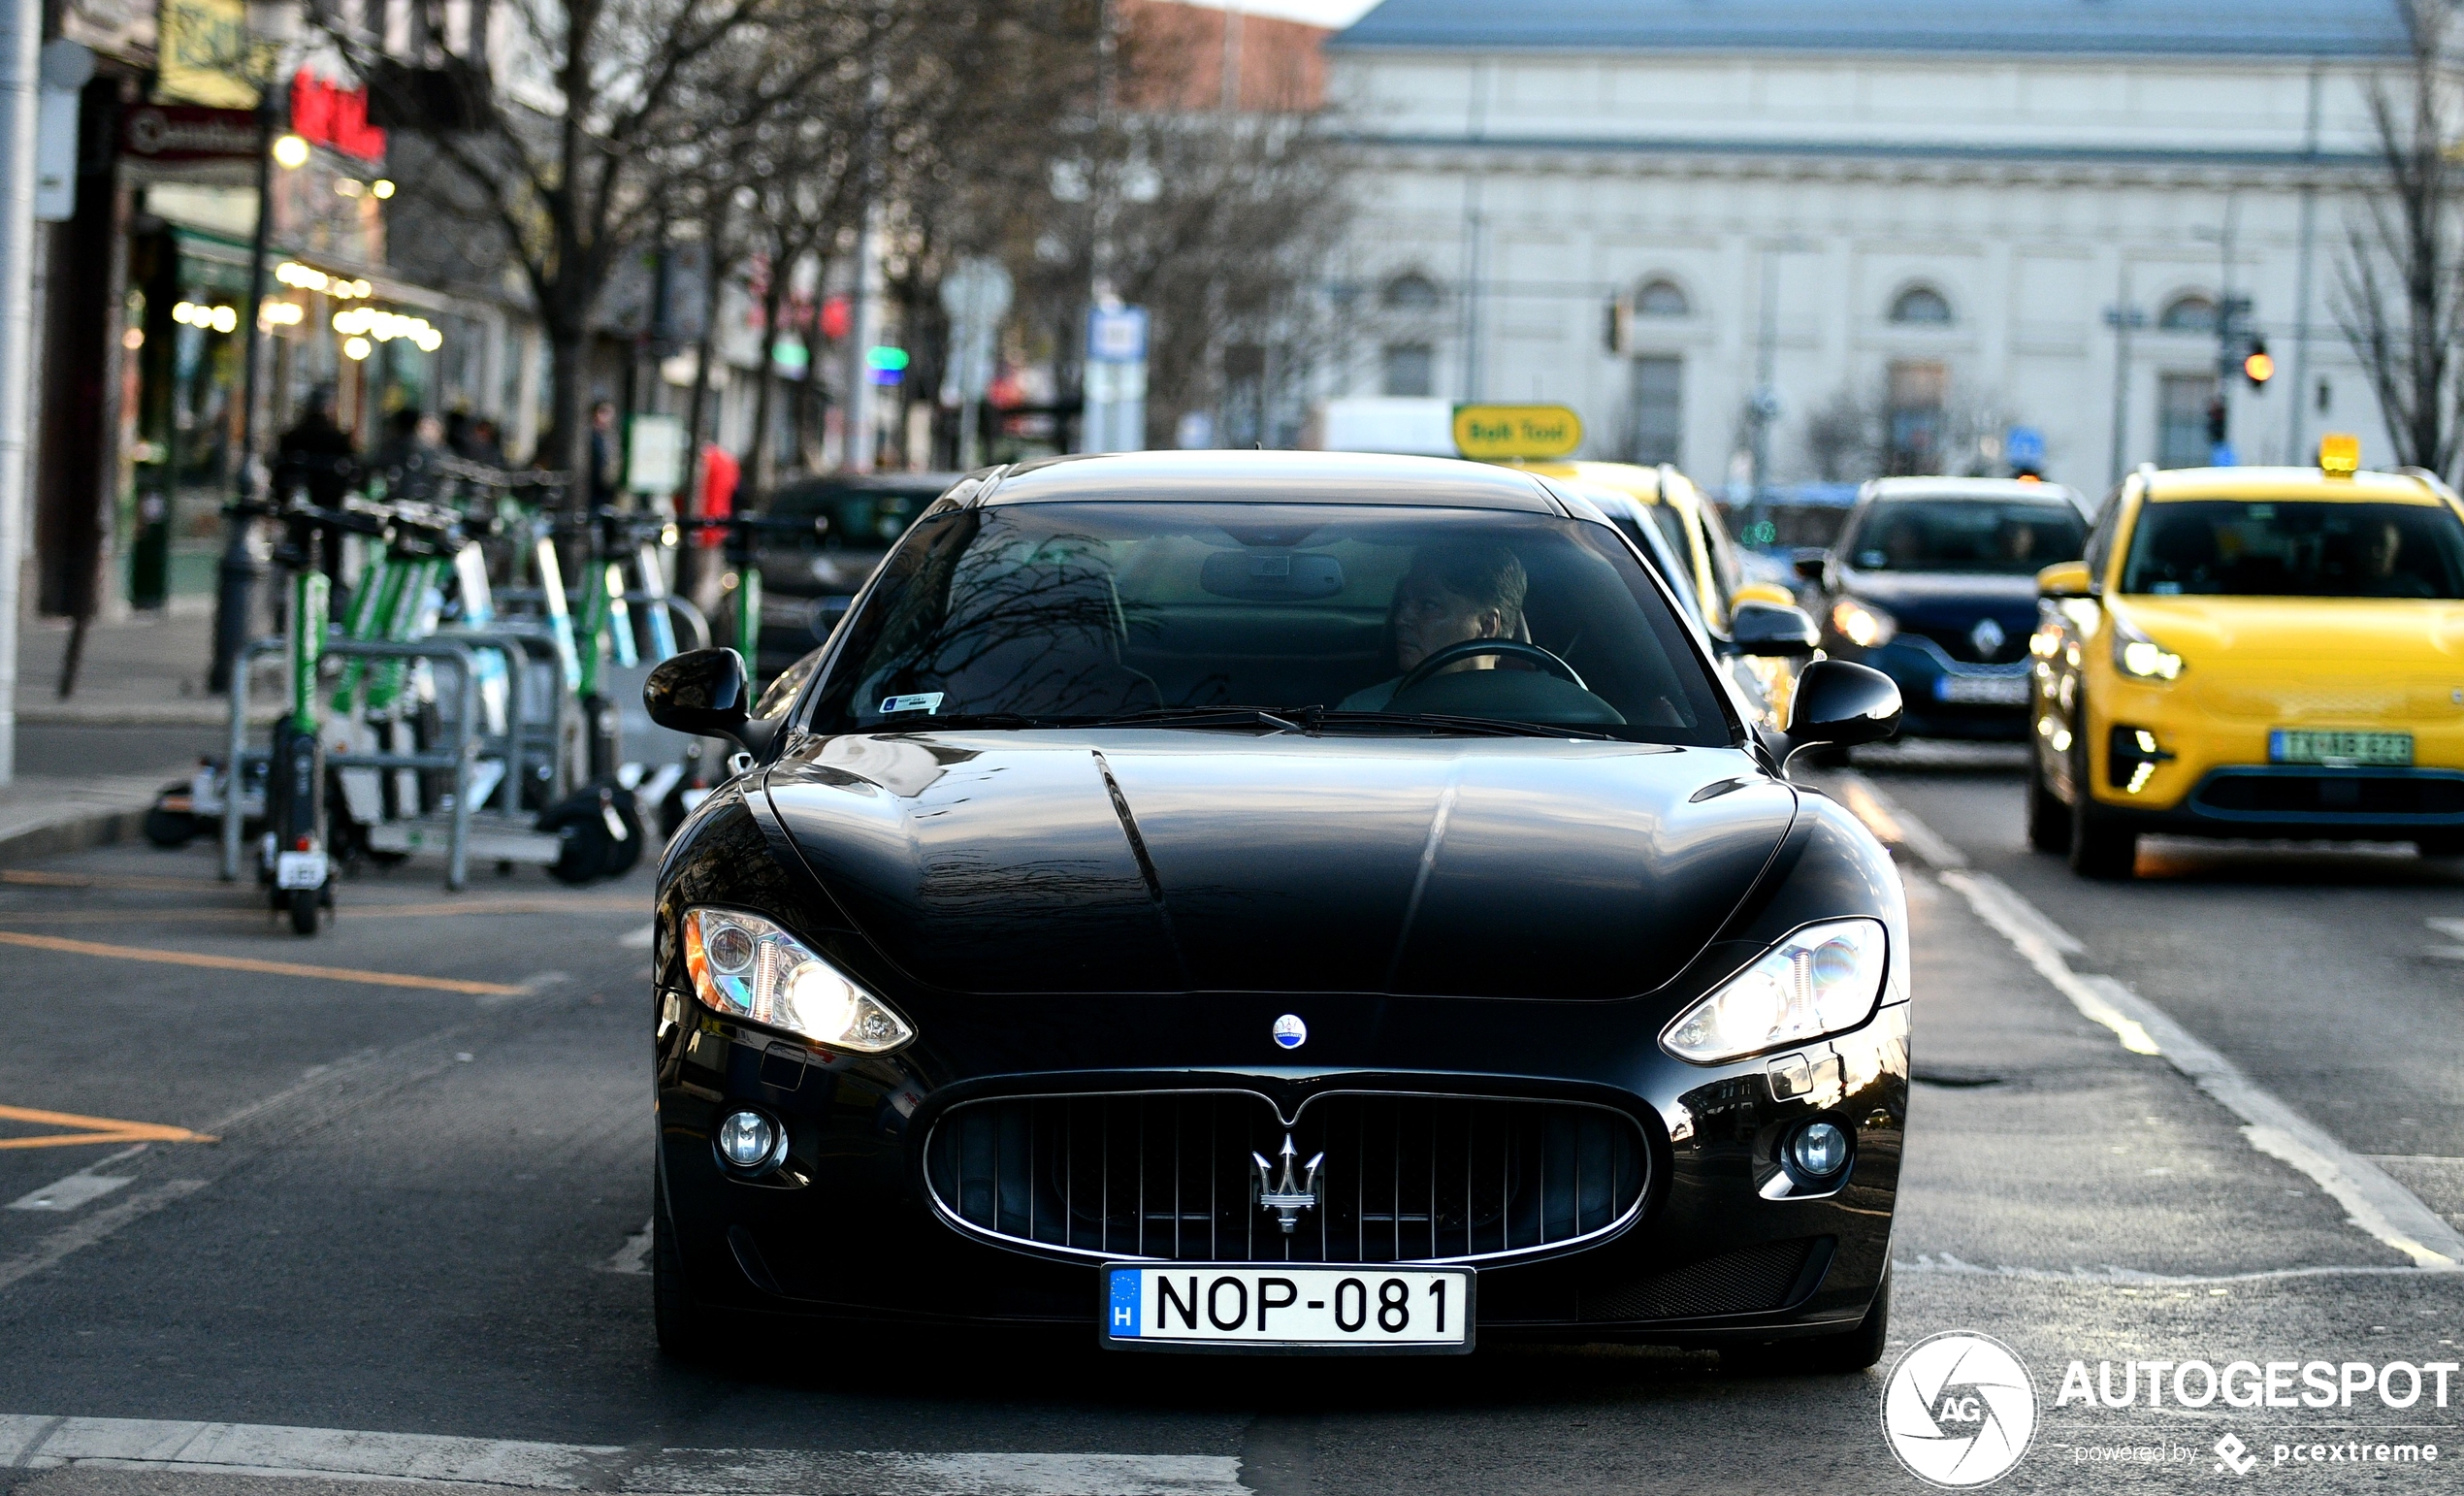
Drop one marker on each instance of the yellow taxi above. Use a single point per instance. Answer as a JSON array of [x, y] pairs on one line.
[[1687, 519], [2253, 652]]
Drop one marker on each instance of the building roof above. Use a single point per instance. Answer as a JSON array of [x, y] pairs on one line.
[[2243, 28]]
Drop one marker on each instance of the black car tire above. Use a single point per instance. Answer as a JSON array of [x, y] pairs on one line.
[[170, 830], [2099, 847], [2048, 817], [683, 1334]]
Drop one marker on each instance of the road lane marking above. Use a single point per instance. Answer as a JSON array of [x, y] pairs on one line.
[[633, 1257], [640, 940], [2375, 1202], [1948, 1265], [91, 1130], [133, 953], [260, 1449], [35, 877], [38, 915], [79, 1235]]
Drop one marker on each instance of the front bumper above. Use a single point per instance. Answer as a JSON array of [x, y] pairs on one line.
[[1721, 1244], [1929, 680]]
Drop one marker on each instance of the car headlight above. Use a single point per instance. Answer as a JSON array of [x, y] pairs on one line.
[[1825, 978], [2140, 657], [1862, 624], [744, 966]]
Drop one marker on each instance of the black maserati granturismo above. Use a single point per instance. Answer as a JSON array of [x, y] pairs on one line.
[[1284, 903]]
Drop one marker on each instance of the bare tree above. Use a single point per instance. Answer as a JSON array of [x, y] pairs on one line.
[[603, 110], [2400, 293]]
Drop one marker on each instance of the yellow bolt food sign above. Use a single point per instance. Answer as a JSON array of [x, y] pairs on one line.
[[1534, 433]]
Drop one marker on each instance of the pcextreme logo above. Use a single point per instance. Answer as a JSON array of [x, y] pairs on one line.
[[1958, 1409]]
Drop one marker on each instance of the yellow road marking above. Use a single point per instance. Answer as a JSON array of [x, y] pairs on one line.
[[39, 915], [96, 1129], [37, 878], [136, 953]]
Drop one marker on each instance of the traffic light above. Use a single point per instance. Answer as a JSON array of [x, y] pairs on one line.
[[2256, 367], [2216, 421]]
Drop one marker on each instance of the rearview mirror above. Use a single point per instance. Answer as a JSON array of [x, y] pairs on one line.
[[1840, 704], [1770, 630], [2065, 579], [704, 692]]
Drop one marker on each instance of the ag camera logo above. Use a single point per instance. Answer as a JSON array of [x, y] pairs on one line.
[[1958, 1409]]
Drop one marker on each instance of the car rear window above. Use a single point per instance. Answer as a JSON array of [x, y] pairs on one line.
[[2295, 548], [2008, 538], [1070, 613]]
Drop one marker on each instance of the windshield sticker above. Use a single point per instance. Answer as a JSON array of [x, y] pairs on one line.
[[926, 702]]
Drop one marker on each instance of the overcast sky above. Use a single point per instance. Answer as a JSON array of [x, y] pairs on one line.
[[1318, 13]]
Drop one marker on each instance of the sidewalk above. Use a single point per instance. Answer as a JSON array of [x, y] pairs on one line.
[[140, 718]]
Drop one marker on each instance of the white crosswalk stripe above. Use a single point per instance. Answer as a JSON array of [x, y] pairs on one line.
[[34, 1442]]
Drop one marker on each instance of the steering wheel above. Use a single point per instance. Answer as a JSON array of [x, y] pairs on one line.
[[1474, 649]]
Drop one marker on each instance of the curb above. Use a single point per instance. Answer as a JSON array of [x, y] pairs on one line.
[[72, 834]]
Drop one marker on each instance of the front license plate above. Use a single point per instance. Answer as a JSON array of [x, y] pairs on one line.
[[299, 870], [1303, 1310], [1983, 689], [2340, 750]]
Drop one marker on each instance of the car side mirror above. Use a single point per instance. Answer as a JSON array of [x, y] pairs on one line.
[[2065, 579], [1809, 564], [705, 692], [1840, 704], [1770, 630]]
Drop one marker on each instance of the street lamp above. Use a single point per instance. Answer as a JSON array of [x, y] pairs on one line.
[[273, 27]]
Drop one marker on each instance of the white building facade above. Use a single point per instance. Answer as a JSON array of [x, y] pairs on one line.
[[1908, 229]]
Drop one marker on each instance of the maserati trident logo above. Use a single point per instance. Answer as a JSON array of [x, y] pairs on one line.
[[1291, 1192], [1988, 637], [1290, 1033]]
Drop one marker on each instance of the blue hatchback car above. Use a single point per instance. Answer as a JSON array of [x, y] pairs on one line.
[[1934, 582]]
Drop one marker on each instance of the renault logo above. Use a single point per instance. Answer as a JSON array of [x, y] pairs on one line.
[[1290, 1193], [1988, 636]]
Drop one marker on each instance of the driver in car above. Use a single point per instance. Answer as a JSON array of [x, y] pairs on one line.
[[1452, 594]]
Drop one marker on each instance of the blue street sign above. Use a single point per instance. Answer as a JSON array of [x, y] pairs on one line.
[[1117, 334], [2024, 446]]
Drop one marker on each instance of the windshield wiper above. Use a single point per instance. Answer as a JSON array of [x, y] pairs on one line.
[[1201, 717], [1443, 722]]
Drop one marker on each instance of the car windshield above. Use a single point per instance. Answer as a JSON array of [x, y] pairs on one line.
[[2280, 548], [1998, 537], [1386, 618]]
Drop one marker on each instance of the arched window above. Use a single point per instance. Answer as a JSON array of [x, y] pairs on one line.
[[1921, 306], [2192, 314], [1410, 292], [1661, 299]]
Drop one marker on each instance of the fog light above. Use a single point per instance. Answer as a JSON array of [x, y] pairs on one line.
[[1819, 1149], [747, 1139]]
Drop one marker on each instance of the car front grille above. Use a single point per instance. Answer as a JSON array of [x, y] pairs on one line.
[[1170, 1176], [2261, 794], [1756, 1279]]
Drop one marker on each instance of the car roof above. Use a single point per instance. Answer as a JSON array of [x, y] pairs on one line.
[[1268, 477], [1971, 488], [2175, 484], [1632, 479]]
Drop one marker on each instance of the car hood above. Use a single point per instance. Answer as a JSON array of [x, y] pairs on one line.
[[1154, 861], [2383, 632], [1940, 600]]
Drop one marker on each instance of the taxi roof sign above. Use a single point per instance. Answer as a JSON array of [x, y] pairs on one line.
[[2339, 454], [1531, 433]]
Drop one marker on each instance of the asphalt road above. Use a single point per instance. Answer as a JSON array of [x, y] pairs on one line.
[[413, 1249]]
